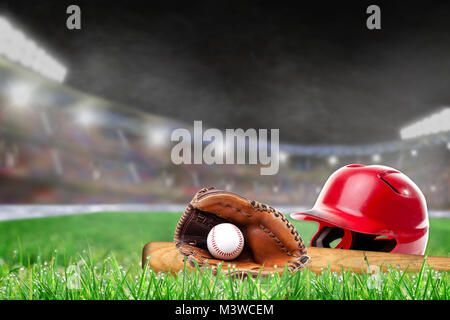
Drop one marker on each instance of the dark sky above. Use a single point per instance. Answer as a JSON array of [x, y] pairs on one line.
[[314, 71]]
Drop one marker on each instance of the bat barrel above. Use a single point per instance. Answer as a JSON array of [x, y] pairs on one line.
[[371, 261], [163, 256]]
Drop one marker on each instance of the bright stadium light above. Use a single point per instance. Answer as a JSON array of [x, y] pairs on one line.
[[333, 160], [20, 94], [86, 117], [436, 123], [16, 47], [283, 156], [157, 136], [276, 189], [376, 158], [414, 153]]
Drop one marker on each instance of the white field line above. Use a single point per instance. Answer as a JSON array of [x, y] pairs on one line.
[[17, 212]]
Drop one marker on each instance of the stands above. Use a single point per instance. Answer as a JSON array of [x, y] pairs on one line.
[[62, 146]]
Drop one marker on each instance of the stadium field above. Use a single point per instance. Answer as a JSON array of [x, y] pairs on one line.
[[106, 247]]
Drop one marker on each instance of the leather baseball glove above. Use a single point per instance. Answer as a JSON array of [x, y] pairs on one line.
[[270, 240]]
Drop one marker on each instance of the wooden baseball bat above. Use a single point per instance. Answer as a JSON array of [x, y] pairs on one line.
[[163, 256]]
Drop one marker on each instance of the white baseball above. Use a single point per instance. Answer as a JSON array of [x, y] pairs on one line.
[[225, 241]]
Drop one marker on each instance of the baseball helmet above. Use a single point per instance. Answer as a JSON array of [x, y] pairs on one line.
[[375, 208]]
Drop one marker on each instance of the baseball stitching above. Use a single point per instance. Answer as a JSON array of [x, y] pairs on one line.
[[226, 254]]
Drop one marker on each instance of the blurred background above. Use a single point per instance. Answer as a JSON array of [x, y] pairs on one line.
[[86, 115]]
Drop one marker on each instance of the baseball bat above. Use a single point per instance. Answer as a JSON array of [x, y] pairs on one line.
[[165, 257]]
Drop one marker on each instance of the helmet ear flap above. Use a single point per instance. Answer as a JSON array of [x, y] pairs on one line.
[[362, 241], [346, 240], [327, 233], [314, 239], [350, 240]]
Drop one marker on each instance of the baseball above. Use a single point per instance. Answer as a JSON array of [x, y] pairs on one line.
[[225, 241]]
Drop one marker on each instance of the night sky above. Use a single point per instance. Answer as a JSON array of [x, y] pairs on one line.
[[313, 71]]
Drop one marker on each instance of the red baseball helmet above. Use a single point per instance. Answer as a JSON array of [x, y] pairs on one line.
[[373, 208]]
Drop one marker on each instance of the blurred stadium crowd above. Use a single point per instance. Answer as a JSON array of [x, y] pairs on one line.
[[61, 146]]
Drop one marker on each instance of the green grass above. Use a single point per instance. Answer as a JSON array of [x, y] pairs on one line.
[[120, 234], [38, 258]]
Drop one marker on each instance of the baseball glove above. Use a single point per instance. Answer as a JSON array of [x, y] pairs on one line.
[[270, 240]]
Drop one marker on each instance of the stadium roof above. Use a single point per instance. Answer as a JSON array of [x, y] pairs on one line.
[[315, 72]]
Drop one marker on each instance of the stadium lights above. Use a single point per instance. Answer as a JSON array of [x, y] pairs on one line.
[[376, 157], [20, 94], [157, 137], [86, 116], [333, 160], [283, 156], [436, 123], [414, 152], [16, 47]]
